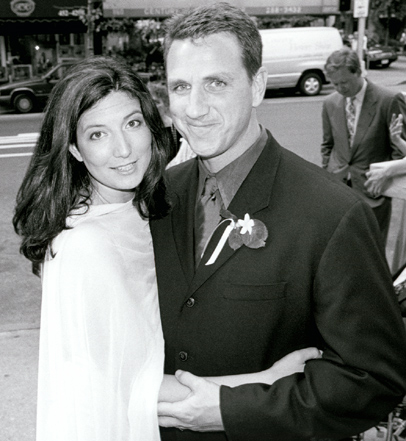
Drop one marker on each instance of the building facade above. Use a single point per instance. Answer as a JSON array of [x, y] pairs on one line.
[[37, 34]]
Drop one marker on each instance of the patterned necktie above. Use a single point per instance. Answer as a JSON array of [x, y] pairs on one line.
[[350, 114], [207, 215]]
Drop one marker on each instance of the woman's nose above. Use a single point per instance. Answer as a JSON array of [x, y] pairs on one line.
[[122, 147]]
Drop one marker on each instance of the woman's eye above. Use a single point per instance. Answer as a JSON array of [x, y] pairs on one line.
[[133, 123], [96, 135]]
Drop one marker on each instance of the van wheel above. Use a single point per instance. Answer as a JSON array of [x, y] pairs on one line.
[[23, 103], [310, 84]]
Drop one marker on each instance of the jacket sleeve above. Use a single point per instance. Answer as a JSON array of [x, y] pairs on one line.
[[328, 139], [361, 376]]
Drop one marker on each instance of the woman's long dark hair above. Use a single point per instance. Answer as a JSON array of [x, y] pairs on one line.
[[55, 182]]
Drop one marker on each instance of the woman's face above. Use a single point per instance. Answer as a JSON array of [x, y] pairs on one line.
[[114, 143]]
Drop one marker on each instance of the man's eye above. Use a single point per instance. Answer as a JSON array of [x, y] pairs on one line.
[[217, 84], [180, 88], [96, 135]]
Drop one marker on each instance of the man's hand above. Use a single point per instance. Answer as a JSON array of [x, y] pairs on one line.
[[199, 411]]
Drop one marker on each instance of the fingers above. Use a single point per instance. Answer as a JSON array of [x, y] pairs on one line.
[[298, 358], [167, 410], [396, 119], [396, 124], [307, 354], [188, 379]]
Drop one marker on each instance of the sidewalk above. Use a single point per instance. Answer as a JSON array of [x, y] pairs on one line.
[[18, 369]]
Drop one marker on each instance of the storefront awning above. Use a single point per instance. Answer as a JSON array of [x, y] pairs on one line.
[[41, 9], [165, 8]]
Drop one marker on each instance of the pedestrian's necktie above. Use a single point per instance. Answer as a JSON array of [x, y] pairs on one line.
[[207, 215], [350, 114]]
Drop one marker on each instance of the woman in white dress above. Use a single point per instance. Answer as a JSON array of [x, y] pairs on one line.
[[94, 180]]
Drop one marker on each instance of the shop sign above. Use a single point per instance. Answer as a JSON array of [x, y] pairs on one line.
[[154, 8], [22, 8], [360, 8], [38, 9]]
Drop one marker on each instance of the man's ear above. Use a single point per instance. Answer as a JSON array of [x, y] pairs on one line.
[[259, 86], [75, 152]]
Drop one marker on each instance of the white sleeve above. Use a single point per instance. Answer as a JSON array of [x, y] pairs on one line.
[[83, 393]]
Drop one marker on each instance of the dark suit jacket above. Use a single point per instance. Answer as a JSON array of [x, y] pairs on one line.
[[321, 280], [371, 142]]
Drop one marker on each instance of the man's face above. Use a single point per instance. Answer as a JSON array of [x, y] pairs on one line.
[[345, 82], [211, 96]]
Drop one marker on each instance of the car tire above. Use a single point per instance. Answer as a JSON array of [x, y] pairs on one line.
[[310, 84], [23, 103]]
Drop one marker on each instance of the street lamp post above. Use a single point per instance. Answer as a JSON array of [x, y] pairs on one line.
[[361, 12], [89, 49]]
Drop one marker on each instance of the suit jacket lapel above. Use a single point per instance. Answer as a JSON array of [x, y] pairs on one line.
[[183, 218], [365, 118], [253, 195]]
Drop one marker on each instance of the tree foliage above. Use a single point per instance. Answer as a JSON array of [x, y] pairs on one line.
[[387, 20]]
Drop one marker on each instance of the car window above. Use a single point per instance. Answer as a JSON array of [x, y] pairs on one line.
[[59, 73]]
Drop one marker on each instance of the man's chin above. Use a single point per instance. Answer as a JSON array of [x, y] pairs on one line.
[[205, 150]]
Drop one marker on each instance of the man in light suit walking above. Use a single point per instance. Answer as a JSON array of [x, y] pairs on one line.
[[356, 120], [302, 266]]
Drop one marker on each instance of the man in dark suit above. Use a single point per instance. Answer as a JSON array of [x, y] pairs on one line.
[[356, 120], [301, 266]]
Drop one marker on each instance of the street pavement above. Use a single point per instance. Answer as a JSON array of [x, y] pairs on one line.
[[19, 315]]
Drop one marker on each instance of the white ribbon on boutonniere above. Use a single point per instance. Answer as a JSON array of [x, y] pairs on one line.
[[249, 232]]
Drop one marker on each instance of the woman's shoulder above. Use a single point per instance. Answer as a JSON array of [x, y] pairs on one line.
[[90, 231], [80, 240]]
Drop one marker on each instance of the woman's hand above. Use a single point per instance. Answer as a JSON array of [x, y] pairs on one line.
[[290, 364], [377, 177], [173, 390], [395, 128]]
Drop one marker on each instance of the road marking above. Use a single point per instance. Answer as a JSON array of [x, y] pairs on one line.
[[22, 141], [13, 155], [17, 146]]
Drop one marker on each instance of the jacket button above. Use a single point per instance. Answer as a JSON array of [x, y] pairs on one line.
[[190, 302], [183, 355]]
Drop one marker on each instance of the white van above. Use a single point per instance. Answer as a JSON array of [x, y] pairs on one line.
[[295, 57]]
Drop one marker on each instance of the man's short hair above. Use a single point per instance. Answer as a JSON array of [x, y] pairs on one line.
[[344, 57], [217, 18]]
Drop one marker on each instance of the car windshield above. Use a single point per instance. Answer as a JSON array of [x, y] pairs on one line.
[[56, 73]]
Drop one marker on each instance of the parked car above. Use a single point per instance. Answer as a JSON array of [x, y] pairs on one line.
[[25, 95], [295, 57], [380, 56]]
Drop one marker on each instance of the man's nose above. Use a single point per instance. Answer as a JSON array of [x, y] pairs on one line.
[[198, 104]]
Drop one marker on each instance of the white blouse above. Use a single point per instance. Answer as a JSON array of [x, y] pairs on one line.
[[101, 342]]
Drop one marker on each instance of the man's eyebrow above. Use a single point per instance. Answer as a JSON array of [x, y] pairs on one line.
[[212, 77], [174, 82], [220, 76]]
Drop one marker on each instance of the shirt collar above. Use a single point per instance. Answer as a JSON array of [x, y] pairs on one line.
[[230, 178]]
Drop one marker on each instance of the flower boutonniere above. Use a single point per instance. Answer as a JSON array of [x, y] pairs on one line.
[[249, 232]]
